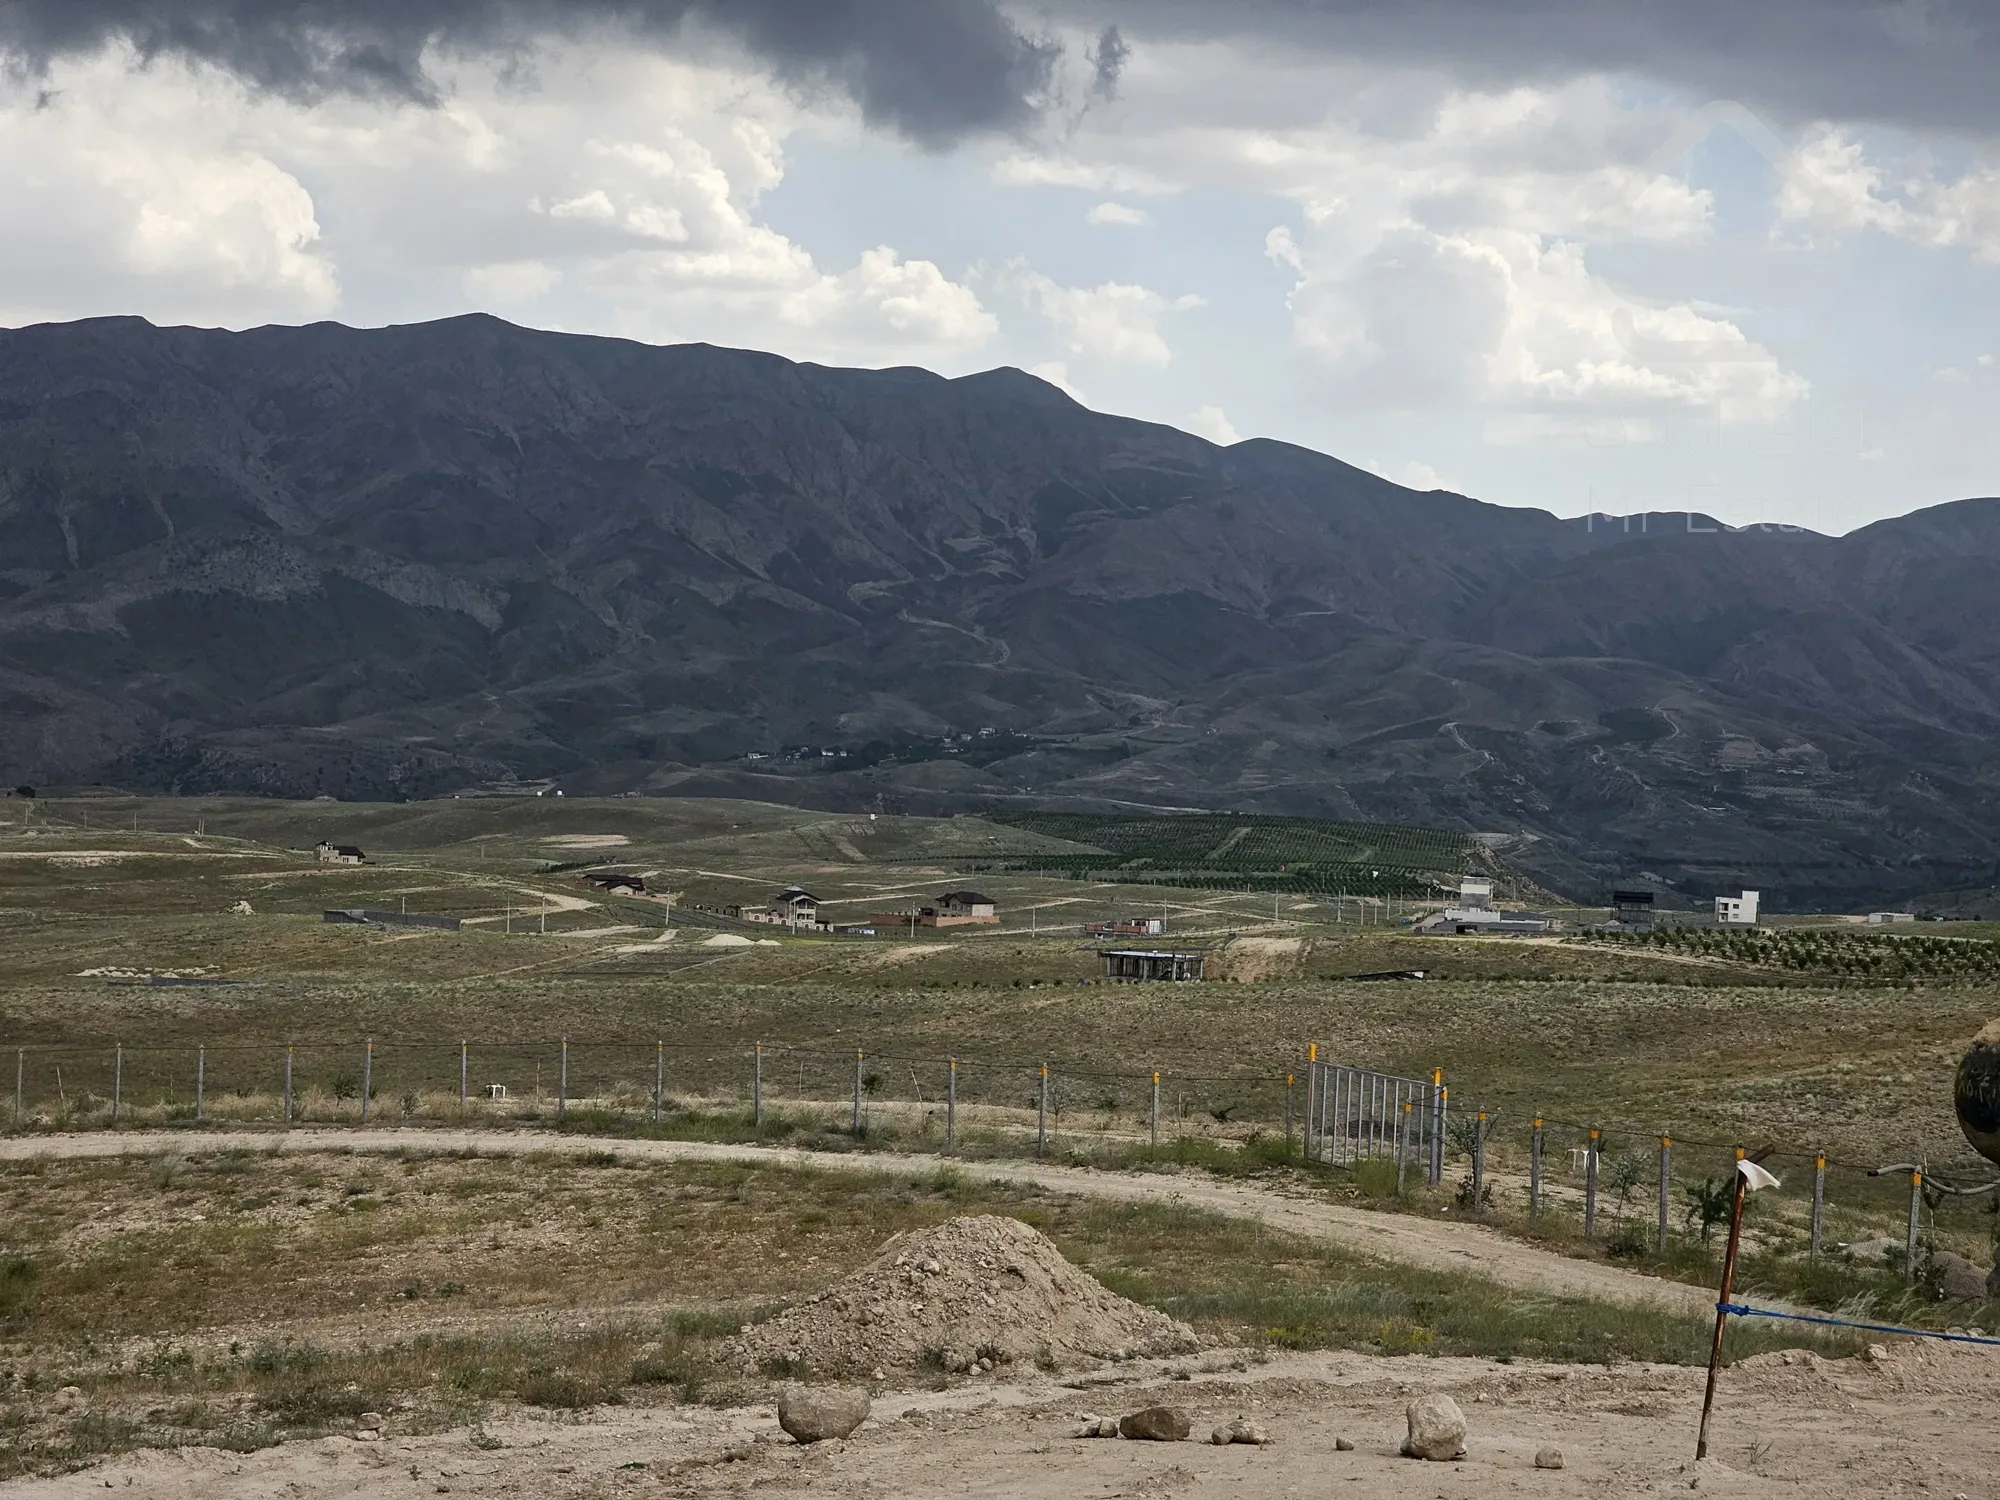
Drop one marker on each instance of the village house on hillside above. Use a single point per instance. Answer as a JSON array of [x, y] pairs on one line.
[[794, 907], [338, 854], [952, 909], [615, 880]]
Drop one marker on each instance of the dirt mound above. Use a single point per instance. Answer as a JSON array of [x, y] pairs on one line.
[[976, 1288]]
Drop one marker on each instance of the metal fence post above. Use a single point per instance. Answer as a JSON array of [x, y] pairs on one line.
[[1156, 1106], [367, 1077], [1819, 1200], [1479, 1161], [1042, 1116], [20, 1080], [757, 1090], [464, 1073], [562, 1082], [1288, 1114], [288, 1084], [857, 1091], [117, 1080], [200, 1082], [1666, 1186], [951, 1105], [1910, 1238], [1535, 1171], [1590, 1184], [1437, 1126]]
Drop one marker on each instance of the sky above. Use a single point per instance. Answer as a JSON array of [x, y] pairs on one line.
[[1585, 255]]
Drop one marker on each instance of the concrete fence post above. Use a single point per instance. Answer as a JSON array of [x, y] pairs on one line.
[[951, 1105], [1402, 1144], [1438, 1092], [367, 1077], [288, 1084], [1042, 1116], [1590, 1184], [562, 1082], [757, 1089], [1666, 1188], [1819, 1202], [1314, 1103], [200, 1084], [857, 1091], [1156, 1106], [1479, 1161], [1535, 1171], [117, 1080]]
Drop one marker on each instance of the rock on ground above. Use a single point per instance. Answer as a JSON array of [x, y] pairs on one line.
[[813, 1414], [1159, 1424], [1549, 1458], [1437, 1429], [1958, 1278], [1242, 1430], [963, 1296]]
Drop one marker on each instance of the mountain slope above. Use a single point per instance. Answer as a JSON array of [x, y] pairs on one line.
[[398, 561]]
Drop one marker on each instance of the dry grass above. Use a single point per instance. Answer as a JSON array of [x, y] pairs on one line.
[[242, 1299]]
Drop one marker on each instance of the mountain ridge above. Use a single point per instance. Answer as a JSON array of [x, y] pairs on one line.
[[396, 561]]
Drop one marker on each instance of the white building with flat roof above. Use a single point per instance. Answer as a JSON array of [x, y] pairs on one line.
[[1736, 911]]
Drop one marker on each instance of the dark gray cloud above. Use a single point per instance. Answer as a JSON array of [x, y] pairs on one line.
[[1107, 61], [1925, 63], [934, 70]]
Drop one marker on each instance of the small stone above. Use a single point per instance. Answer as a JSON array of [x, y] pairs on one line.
[[814, 1414], [955, 1361], [1549, 1458], [880, 1376], [932, 1268], [369, 1419], [1242, 1430], [1437, 1429], [1343, 1445], [1156, 1424], [1876, 1354]]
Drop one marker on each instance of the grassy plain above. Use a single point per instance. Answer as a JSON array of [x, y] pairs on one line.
[[238, 1298], [1710, 1049]]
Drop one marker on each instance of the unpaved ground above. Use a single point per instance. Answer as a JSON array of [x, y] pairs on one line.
[[1439, 1245], [1915, 1424]]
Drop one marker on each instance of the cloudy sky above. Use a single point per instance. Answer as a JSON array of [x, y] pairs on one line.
[[1585, 254]]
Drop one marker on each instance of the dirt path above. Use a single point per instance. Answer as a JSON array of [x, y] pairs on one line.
[[1436, 1244]]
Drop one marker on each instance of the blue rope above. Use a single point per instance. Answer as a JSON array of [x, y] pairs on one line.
[[1742, 1310]]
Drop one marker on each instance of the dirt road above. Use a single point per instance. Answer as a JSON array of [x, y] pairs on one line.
[[1437, 1244]]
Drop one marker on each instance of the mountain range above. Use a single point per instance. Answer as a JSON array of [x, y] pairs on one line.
[[411, 561]]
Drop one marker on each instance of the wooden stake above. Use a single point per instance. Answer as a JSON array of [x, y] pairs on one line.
[[1721, 1315]]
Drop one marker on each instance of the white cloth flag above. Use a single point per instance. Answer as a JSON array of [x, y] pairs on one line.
[[1754, 1176]]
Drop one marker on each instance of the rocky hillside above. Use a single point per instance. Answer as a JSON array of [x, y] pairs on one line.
[[398, 562]]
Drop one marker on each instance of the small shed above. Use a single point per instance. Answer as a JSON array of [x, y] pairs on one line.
[[1135, 964]]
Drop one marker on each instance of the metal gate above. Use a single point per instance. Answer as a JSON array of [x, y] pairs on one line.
[[1357, 1114]]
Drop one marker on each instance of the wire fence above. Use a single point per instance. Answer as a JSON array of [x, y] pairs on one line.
[[1640, 1189]]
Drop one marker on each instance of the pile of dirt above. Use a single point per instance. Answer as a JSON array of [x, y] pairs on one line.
[[983, 1289]]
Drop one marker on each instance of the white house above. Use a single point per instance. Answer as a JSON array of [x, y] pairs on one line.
[[1736, 911], [338, 854]]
